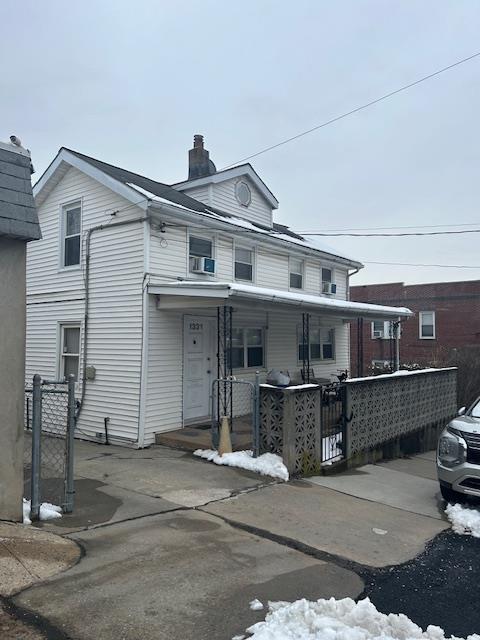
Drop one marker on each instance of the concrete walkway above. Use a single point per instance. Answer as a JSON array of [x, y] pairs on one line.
[[176, 547]]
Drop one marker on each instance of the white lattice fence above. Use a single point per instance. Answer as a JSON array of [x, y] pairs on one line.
[[384, 408]]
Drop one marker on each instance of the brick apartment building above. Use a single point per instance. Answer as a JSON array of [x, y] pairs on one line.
[[447, 317]]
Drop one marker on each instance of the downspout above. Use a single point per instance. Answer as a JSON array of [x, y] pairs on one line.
[[88, 238]]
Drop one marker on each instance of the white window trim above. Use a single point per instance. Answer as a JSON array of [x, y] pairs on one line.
[[204, 236], [332, 281], [68, 324], [420, 325], [321, 359], [247, 247], [245, 350], [62, 227], [302, 260]]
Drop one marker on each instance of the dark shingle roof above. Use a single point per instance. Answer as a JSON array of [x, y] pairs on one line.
[[18, 215]]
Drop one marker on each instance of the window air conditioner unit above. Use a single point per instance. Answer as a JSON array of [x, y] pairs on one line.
[[378, 333], [202, 265], [329, 287]]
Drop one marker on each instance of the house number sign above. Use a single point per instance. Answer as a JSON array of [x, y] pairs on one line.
[[196, 326]]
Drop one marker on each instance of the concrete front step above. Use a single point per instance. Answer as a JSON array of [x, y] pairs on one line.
[[190, 439]]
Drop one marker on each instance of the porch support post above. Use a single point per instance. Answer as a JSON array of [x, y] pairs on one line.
[[224, 361], [359, 347], [306, 347]]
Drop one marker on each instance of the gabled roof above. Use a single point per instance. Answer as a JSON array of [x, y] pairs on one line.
[[227, 174], [18, 215], [145, 192]]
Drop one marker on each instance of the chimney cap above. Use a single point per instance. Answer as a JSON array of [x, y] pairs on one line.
[[198, 141]]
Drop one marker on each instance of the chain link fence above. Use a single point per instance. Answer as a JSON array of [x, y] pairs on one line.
[[238, 401], [49, 439]]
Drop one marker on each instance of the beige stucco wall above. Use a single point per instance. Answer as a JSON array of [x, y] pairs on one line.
[[12, 376]]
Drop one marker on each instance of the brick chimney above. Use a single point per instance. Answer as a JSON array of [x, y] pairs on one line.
[[199, 163]]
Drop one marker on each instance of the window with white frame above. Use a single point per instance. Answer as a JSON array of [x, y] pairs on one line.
[[247, 348], [71, 231], [244, 264], [381, 329], [322, 344], [427, 325], [296, 273], [69, 350], [328, 286], [198, 247]]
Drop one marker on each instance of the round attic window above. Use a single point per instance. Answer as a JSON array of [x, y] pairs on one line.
[[243, 193]]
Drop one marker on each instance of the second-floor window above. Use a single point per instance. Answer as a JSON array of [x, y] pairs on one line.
[[199, 247], [71, 227], [328, 285], [296, 273], [427, 325], [243, 264]]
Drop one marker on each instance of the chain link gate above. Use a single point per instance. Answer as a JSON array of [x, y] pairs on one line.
[[49, 443], [239, 401]]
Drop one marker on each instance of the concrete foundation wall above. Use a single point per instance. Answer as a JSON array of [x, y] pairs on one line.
[[12, 376]]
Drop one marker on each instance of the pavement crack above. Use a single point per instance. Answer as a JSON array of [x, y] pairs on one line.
[[19, 560]]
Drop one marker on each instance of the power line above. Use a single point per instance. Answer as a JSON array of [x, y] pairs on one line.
[[352, 111], [414, 264], [420, 226], [393, 235]]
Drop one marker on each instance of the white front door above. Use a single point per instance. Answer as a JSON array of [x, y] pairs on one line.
[[198, 366]]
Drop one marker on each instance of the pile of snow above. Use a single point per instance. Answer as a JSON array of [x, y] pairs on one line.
[[47, 511], [338, 620], [256, 605], [464, 521], [268, 464]]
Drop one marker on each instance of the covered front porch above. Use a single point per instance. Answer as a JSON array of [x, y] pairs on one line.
[[231, 330]]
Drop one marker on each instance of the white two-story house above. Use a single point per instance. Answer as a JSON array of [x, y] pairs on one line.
[[132, 279]]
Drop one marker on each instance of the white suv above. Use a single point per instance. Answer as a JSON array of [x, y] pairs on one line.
[[458, 455]]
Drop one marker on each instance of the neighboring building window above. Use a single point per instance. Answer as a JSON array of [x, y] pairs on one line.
[[322, 344], [328, 285], [71, 227], [70, 351], [296, 273], [243, 264], [381, 329], [247, 348], [243, 193], [427, 325]]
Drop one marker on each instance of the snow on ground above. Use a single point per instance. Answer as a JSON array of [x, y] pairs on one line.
[[47, 511], [268, 464], [465, 521], [256, 605], [338, 620]]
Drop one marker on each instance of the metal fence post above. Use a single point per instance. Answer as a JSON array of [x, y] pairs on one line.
[[36, 447], [70, 444], [256, 416]]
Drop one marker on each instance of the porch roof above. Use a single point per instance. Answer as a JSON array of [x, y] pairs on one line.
[[175, 294]]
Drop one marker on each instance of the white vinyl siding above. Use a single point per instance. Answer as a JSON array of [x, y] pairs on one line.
[[272, 269], [222, 196], [55, 297]]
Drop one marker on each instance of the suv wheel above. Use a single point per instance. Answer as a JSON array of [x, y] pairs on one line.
[[449, 495]]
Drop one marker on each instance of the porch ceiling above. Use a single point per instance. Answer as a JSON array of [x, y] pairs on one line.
[[180, 295]]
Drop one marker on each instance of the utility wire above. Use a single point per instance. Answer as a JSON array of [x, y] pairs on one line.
[[413, 264], [420, 226], [393, 235], [356, 110]]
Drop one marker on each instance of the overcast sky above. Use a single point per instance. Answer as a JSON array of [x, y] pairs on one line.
[[131, 82]]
